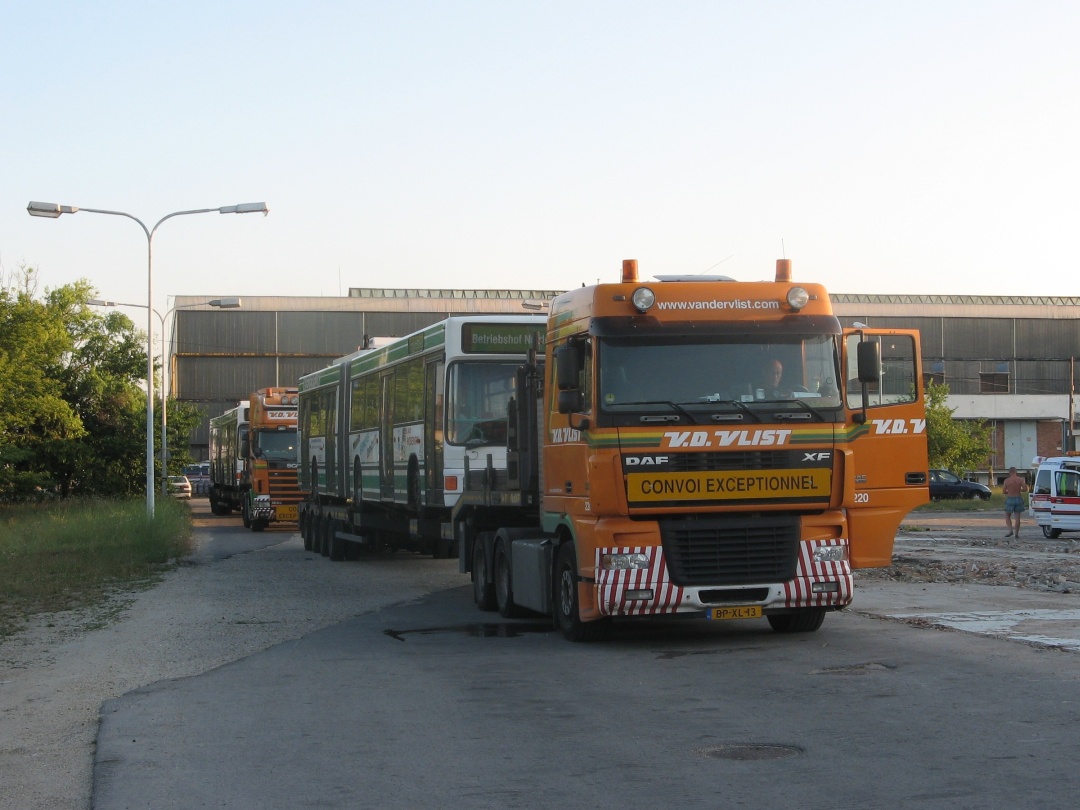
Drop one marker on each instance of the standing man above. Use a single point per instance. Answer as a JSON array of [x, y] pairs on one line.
[[1013, 488]]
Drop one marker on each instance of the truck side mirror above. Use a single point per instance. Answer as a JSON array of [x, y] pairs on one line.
[[868, 353], [571, 401], [568, 364]]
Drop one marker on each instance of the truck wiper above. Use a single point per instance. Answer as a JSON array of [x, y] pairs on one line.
[[802, 404], [721, 417], [673, 405]]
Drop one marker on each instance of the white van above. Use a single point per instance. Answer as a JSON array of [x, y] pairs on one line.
[[1055, 496]]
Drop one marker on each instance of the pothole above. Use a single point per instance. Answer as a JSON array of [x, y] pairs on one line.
[[486, 630], [748, 752], [868, 668]]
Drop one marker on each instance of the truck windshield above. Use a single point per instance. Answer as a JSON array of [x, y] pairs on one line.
[[719, 373], [275, 445], [477, 399]]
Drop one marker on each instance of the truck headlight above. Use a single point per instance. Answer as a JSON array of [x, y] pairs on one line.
[[624, 562], [831, 553]]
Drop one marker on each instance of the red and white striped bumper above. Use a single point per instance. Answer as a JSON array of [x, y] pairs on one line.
[[650, 592]]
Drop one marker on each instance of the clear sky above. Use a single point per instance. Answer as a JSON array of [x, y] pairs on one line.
[[904, 147]]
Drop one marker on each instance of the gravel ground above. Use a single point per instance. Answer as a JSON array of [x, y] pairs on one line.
[[971, 547], [55, 675]]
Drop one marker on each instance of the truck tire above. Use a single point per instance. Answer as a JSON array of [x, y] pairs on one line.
[[483, 590], [567, 604], [245, 514], [799, 621], [504, 586]]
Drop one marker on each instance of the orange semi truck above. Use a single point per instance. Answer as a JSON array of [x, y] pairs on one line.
[[697, 447], [254, 461]]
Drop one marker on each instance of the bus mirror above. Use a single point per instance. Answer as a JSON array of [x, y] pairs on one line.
[[869, 359]]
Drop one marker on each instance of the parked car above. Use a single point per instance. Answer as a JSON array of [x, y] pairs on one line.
[[199, 476], [179, 486], [944, 484]]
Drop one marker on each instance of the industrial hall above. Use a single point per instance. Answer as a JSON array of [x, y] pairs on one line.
[[1009, 361]]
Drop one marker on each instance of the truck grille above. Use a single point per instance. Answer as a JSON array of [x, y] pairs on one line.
[[745, 460], [284, 486], [731, 551]]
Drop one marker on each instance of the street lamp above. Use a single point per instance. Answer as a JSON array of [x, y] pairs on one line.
[[223, 303], [52, 211]]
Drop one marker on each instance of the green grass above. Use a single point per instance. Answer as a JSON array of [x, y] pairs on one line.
[[995, 504], [76, 553]]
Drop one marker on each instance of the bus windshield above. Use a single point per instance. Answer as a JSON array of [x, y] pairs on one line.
[[477, 398]]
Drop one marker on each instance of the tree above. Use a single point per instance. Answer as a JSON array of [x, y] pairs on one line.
[[956, 445], [72, 402]]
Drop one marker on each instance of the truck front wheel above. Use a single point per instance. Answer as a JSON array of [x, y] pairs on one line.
[[567, 605], [799, 621], [483, 590], [504, 588]]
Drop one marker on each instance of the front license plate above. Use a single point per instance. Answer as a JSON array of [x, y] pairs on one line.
[[738, 612], [286, 513]]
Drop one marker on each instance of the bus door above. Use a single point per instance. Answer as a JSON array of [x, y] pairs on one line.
[[885, 452]]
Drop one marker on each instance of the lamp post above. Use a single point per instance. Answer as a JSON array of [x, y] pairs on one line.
[[223, 303], [53, 210]]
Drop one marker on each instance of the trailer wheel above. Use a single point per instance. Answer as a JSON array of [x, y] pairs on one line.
[[325, 527], [799, 621], [216, 506], [504, 588], [483, 590], [305, 529], [336, 546], [567, 604]]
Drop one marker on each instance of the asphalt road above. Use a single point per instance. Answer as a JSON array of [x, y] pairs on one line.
[[431, 703]]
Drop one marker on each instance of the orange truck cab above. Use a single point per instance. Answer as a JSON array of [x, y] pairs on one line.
[[701, 447]]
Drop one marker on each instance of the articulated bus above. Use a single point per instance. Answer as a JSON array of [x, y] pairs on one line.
[[386, 434]]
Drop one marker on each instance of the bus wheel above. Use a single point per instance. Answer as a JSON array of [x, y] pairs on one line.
[[504, 589], [799, 621], [483, 590]]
